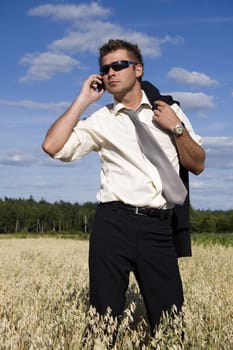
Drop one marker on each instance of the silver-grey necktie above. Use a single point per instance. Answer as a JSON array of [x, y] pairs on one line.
[[173, 188]]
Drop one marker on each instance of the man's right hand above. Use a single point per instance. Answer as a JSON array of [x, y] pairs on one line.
[[61, 130], [90, 90]]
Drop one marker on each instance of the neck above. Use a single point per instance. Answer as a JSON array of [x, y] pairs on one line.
[[131, 99]]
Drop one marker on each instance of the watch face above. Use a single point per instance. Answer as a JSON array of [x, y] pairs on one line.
[[178, 130]]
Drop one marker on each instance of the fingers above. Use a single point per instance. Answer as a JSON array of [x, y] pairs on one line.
[[94, 84], [95, 81], [165, 116], [92, 89], [160, 104]]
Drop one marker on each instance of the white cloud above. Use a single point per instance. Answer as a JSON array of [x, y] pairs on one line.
[[20, 158], [197, 184], [219, 141], [219, 152], [53, 106], [174, 40], [94, 34], [16, 158], [193, 78], [191, 101], [70, 12], [45, 65], [88, 30], [88, 38]]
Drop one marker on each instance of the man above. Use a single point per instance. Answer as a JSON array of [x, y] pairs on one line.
[[132, 227]]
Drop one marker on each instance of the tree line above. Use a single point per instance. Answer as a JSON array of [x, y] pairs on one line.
[[29, 215]]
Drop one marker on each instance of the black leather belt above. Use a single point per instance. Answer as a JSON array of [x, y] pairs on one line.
[[153, 212]]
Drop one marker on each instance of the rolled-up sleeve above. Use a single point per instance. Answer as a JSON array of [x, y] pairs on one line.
[[82, 141]]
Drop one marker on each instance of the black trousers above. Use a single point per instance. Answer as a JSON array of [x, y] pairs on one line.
[[122, 241]]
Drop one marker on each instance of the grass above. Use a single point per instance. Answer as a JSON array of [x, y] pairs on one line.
[[208, 239], [44, 298]]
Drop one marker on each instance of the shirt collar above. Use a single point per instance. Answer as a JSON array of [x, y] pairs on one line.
[[117, 106]]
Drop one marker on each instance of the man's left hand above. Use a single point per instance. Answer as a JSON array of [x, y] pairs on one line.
[[165, 116]]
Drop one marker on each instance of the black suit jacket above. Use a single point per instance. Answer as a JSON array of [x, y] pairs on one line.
[[180, 218]]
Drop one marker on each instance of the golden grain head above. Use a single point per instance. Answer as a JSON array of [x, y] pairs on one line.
[[44, 302]]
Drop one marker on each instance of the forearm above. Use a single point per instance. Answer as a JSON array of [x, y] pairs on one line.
[[62, 128], [191, 155]]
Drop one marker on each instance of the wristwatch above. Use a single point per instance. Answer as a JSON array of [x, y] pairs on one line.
[[179, 129]]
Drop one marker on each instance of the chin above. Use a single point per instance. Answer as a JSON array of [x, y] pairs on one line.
[[115, 90]]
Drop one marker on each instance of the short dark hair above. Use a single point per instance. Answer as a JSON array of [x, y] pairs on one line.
[[116, 44]]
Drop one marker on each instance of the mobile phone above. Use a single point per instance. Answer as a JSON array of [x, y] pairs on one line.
[[100, 86], [97, 86]]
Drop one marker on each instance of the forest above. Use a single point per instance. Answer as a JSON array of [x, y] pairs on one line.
[[29, 215]]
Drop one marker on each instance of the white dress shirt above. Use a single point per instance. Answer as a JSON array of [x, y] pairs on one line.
[[126, 174]]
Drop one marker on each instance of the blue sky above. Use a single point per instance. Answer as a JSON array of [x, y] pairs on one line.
[[49, 48]]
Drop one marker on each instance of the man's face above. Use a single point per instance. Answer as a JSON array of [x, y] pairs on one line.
[[118, 82]]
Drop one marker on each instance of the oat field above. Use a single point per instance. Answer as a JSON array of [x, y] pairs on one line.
[[44, 300]]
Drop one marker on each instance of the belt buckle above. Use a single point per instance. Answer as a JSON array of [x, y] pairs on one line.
[[137, 211]]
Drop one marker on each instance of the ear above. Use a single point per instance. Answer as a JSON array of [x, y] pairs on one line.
[[139, 70]]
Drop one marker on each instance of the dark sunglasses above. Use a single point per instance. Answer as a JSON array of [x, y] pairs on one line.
[[116, 66]]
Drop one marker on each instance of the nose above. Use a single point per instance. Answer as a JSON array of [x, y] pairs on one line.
[[111, 71]]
